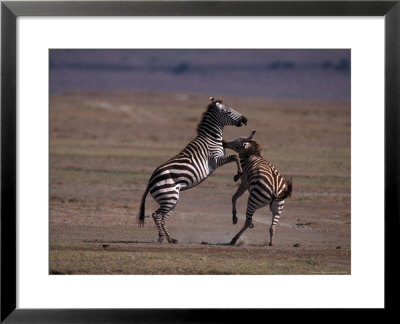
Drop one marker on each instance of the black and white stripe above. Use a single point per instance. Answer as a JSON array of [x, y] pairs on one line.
[[192, 165], [265, 184]]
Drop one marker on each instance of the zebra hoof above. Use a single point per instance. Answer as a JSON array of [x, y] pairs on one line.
[[173, 241], [237, 177], [234, 220], [249, 224], [233, 242], [271, 243], [160, 240]]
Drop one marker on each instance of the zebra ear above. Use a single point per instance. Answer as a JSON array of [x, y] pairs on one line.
[[212, 99], [246, 145], [251, 135]]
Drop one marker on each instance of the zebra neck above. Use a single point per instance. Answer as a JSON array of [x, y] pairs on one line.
[[244, 159], [210, 127]]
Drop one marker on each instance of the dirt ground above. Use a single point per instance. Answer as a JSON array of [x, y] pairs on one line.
[[105, 145]]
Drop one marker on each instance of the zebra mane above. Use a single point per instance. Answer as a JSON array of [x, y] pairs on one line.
[[207, 111], [257, 149]]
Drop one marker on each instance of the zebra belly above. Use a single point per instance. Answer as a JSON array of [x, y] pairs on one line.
[[194, 184], [179, 173]]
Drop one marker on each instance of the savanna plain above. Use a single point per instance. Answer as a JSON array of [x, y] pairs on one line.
[[104, 147]]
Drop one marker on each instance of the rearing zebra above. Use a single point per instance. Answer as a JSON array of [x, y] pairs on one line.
[[262, 179], [192, 165]]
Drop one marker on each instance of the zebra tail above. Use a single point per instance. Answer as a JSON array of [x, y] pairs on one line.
[[288, 192], [142, 208]]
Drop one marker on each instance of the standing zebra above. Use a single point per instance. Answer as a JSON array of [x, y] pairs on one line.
[[266, 186], [192, 165]]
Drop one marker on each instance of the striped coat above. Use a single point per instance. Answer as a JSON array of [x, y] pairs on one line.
[[267, 187], [192, 165]]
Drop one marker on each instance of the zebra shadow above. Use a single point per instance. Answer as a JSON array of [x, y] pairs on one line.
[[207, 243], [147, 242], [117, 241]]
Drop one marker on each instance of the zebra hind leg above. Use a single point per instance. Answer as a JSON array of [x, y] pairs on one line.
[[276, 209], [157, 219], [236, 237], [248, 223], [164, 228], [164, 218], [242, 188]]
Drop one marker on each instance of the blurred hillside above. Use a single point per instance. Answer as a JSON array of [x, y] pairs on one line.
[[276, 74]]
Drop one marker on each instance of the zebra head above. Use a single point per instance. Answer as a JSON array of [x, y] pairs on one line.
[[243, 145], [227, 115]]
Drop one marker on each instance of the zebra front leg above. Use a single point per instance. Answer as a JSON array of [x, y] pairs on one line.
[[222, 160], [276, 209], [242, 188]]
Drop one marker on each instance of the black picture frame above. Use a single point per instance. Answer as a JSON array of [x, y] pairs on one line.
[[11, 10]]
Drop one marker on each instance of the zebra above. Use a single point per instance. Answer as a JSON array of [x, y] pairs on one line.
[[192, 165], [263, 181]]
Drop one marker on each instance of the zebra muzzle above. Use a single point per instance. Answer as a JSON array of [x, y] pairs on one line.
[[242, 121]]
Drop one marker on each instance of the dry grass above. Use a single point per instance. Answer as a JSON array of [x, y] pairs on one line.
[[104, 147]]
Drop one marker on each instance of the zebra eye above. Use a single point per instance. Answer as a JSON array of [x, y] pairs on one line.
[[246, 145]]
